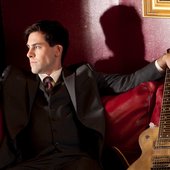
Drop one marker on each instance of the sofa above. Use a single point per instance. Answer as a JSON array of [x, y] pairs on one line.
[[127, 115]]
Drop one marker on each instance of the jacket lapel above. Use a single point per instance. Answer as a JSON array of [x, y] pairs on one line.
[[69, 79], [90, 114]]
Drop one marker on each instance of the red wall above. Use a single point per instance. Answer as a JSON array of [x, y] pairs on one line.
[[112, 35], [155, 30]]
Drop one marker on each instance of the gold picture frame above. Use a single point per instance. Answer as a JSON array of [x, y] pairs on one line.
[[156, 8]]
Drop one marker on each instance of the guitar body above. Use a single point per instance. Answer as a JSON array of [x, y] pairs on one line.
[[146, 142]]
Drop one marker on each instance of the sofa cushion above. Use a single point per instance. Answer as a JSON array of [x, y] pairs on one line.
[[128, 114], [157, 106]]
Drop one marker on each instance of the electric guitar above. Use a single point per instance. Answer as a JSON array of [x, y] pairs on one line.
[[155, 141]]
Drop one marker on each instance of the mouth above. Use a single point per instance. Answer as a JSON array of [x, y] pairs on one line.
[[33, 62]]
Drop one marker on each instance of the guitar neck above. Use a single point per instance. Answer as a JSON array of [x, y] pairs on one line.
[[164, 126]]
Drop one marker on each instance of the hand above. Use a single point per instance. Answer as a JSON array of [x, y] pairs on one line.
[[164, 61]]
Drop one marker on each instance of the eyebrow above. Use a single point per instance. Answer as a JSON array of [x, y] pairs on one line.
[[39, 43]]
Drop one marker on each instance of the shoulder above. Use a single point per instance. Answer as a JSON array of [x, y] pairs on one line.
[[77, 66], [14, 74]]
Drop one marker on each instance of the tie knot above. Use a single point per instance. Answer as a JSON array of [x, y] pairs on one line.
[[48, 83]]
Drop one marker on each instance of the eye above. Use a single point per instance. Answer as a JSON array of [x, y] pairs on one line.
[[37, 46]]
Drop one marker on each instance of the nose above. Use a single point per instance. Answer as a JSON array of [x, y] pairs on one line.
[[30, 53]]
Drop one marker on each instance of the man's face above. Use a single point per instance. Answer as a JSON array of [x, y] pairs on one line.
[[42, 57]]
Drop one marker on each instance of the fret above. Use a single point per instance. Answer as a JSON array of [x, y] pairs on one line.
[[165, 111]]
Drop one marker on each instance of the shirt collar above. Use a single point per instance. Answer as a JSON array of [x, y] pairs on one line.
[[55, 75]]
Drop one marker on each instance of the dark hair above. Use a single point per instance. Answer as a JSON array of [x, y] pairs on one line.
[[54, 31]]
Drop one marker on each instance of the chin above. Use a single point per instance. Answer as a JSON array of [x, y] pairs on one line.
[[34, 71]]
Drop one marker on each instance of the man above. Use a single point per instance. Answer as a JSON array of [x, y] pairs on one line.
[[60, 128]]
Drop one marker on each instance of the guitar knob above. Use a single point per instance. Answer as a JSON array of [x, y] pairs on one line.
[[147, 137]]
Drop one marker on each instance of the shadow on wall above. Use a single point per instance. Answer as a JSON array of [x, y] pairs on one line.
[[123, 36]]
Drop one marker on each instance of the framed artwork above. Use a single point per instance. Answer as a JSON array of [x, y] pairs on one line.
[[156, 8]]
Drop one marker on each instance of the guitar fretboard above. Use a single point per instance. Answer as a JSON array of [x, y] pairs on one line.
[[164, 126]]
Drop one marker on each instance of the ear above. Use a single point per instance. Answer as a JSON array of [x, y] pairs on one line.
[[58, 50]]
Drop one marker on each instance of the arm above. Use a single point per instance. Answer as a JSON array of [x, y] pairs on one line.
[[116, 83], [6, 156]]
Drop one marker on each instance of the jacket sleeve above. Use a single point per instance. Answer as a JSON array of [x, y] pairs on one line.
[[6, 154], [116, 83], [7, 146]]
